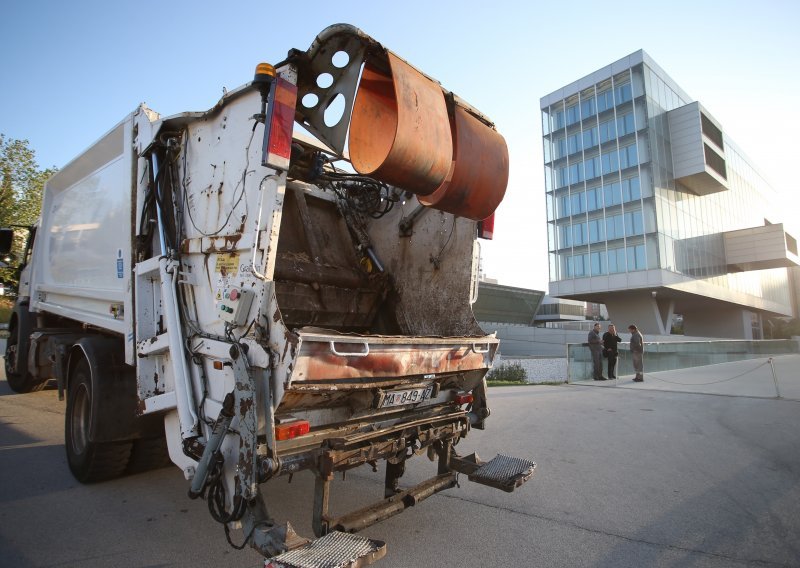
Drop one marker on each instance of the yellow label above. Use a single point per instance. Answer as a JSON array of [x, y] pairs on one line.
[[228, 264]]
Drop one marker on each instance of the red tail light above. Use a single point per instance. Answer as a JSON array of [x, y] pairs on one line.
[[280, 121], [486, 228], [463, 398], [293, 429]]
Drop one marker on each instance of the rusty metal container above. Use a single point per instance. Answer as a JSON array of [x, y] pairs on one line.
[[478, 176], [399, 130]]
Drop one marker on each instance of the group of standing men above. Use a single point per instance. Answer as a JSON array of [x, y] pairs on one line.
[[607, 346]]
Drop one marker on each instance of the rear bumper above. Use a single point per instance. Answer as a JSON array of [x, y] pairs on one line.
[[339, 449]]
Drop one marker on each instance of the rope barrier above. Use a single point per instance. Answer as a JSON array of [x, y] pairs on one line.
[[712, 382]]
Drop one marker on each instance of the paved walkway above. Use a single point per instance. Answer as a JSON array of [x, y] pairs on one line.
[[753, 378]]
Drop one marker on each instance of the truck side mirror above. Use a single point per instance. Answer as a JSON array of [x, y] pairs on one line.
[[6, 240]]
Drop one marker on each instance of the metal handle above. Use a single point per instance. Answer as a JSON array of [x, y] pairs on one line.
[[257, 234], [476, 350], [354, 354], [475, 277]]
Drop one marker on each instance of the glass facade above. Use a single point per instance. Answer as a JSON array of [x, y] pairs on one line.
[[613, 203], [600, 220]]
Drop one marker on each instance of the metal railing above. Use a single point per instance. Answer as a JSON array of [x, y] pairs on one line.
[[668, 356]]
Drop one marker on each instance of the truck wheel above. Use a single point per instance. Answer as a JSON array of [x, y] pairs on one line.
[[148, 454], [89, 461], [16, 358]]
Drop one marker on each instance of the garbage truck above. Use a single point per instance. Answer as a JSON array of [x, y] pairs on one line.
[[282, 283]]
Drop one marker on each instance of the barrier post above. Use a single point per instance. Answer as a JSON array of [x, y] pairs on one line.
[[774, 378]]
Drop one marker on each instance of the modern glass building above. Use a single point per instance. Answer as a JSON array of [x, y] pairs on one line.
[[653, 211]]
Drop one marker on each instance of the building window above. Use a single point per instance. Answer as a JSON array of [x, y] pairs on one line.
[[576, 173], [592, 167], [577, 203], [625, 124], [608, 131], [596, 230], [563, 205], [623, 93], [611, 194], [610, 162], [579, 265], [711, 130], [579, 234], [573, 115], [616, 260], [590, 138], [594, 198], [576, 266], [558, 120], [631, 189], [615, 227], [628, 156], [605, 100], [562, 176], [636, 258], [574, 143], [564, 236], [598, 260], [567, 236], [634, 223], [588, 107], [715, 161], [560, 147]]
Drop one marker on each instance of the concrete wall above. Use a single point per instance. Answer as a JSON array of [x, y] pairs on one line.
[[686, 140], [650, 314], [733, 323], [539, 370], [758, 248]]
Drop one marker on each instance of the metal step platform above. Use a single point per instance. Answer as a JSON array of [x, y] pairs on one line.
[[502, 472], [334, 550]]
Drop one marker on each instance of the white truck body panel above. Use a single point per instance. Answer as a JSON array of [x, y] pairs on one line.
[[82, 254]]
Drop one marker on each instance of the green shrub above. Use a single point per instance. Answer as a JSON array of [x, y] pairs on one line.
[[508, 372]]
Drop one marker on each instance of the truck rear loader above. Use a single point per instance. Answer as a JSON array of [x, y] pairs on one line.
[[282, 283]]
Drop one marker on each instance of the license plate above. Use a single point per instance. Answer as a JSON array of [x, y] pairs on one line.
[[407, 396]]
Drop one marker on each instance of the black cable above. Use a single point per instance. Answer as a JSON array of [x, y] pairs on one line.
[[216, 495], [435, 260], [363, 194]]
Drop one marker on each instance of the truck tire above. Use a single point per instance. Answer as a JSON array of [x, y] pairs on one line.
[[149, 454], [89, 461], [16, 357]]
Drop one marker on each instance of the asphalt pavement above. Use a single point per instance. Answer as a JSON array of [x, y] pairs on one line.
[[633, 475]]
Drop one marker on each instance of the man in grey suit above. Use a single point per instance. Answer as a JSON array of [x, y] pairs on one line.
[[596, 348], [637, 352]]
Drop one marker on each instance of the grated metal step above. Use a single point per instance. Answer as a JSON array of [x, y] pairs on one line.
[[504, 472], [334, 550]]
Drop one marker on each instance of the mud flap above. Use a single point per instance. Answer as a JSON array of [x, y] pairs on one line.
[[334, 550]]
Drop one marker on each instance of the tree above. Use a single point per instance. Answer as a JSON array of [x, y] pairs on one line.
[[21, 185], [783, 328]]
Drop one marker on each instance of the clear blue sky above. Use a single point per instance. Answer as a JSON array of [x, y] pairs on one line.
[[72, 69]]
